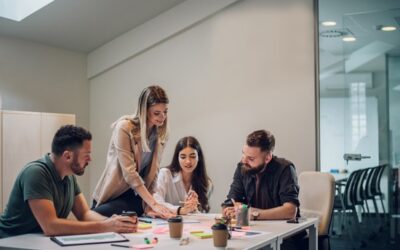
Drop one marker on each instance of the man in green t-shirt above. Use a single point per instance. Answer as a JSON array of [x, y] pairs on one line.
[[46, 191]]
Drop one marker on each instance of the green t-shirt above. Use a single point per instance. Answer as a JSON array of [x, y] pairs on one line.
[[38, 180]]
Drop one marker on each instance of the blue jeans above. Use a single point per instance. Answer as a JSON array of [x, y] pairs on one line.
[[127, 201]]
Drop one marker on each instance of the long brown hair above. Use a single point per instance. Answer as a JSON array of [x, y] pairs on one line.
[[200, 179]]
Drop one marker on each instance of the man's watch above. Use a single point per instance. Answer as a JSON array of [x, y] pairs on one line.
[[255, 214]]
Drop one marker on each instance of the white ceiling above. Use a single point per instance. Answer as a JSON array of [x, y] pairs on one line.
[[84, 25], [360, 18]]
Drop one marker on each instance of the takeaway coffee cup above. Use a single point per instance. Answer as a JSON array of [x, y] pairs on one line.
[[129, 213], [242, 216], [175, 227], [132, 214], [220, 235]]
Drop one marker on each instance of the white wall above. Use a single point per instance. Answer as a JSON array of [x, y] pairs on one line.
[[250, 66], [36, 77]]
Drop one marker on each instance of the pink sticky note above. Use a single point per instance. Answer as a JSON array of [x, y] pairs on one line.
[[143, 246], [161, 230]]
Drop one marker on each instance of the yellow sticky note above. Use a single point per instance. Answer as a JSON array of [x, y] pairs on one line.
[[196, 231], [144, 225], [203, 235]]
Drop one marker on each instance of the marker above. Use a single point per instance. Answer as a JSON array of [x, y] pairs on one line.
[[185, 202], [145, 220], [118, 245], [234, 228]]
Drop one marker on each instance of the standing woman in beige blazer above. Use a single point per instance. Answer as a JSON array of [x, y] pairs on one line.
[[133, 158]]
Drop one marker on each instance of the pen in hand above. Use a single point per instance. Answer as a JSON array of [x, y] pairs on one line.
[[190, 193]]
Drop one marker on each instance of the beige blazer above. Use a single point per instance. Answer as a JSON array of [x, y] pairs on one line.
[[124, 154]]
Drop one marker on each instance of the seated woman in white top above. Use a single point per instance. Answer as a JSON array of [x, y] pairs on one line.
[[183, 186]]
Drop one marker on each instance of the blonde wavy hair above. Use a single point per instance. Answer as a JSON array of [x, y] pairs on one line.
[[150, 96]]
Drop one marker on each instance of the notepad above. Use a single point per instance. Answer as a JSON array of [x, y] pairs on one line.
[[144, 226], [203, 235], [196, 231], [84, 239], [161, 230], [143, 246]]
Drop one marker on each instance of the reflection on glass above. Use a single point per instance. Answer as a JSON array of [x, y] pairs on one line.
[[358, 112], [360, 90]]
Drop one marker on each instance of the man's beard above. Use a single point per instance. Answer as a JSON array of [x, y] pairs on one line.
[[246, 169], [76, 169]]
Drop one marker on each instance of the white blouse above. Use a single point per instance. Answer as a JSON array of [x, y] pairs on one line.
[[169, 189]]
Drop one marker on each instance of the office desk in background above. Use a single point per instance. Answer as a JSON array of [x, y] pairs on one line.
[[277, 231]]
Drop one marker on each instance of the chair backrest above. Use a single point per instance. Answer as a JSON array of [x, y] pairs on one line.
[[376, 190], [360, 186], [317, 192], [369, 183], [349, 193]]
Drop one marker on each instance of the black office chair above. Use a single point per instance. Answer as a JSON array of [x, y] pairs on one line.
[[377, 192], [346, 200]]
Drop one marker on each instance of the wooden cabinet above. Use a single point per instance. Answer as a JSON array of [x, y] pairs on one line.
[[24, 137]]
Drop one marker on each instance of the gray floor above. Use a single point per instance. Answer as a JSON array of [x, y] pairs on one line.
[[370, 235]]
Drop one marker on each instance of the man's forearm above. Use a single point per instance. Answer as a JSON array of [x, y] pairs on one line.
[[69, 227], [93, 216], [284, 212]]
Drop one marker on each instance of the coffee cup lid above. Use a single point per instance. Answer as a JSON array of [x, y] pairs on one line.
[[129, 213], [175, 219], [219, 226], [227, 203]]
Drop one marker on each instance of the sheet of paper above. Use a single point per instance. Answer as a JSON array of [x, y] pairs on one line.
[[247, 233]]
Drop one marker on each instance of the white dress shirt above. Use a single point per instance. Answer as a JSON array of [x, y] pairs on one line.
[[170, 189]]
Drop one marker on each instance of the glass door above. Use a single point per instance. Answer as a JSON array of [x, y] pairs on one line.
[[359, 47]]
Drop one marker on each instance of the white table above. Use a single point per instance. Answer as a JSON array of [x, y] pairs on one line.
[[277, 231]]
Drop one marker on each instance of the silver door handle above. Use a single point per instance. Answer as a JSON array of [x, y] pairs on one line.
[[355, 157]]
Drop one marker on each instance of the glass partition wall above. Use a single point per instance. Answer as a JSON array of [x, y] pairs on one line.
[[359, 98]]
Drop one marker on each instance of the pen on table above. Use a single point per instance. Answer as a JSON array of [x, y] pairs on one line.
[[237, 228], [145, 220], [118, 245], [185, 202]]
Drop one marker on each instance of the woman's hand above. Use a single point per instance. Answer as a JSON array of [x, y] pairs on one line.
[[150, 212], [191, 203], [158, 210]]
